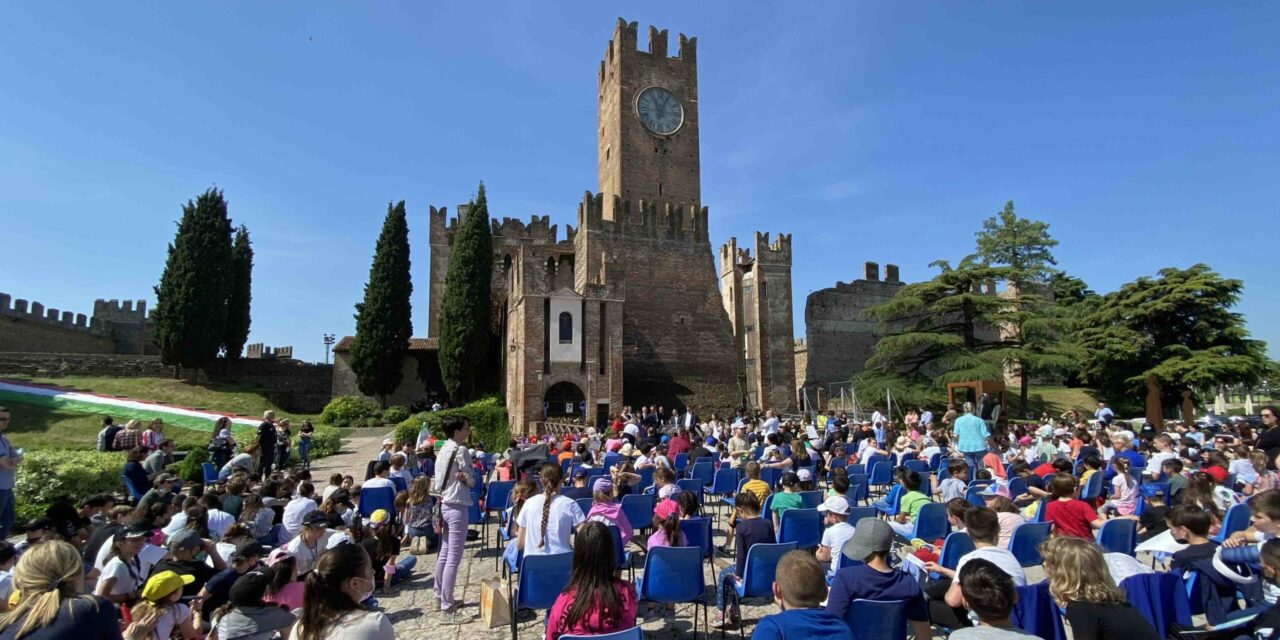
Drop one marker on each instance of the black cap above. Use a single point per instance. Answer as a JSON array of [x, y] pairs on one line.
[[249, 589], [335, 521], [40, 524], [248, 549], [315, 519], [138, 529]]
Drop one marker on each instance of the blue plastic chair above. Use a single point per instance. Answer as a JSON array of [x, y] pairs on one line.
[[1161, 598], [811, 499], [839, 462], [1017, 487], [931, 522], [1237, 519], [957, 545], [210, 472], [586, 503], [771, 476], [857, 468], [858, 513], [639, 510], [621, 558], [801, 526], [881, 475], [646, 478], [859, 490], [693, 485], [724, 483], [634, 633], [1092, 487], [761, 568], [703, 470], [542, 578], [918, 466], [889, 506], [697, 531], [974, 496], [981, 484], [1118, 536], [400, 483], [877, 619], [935, 461], [374, 498], [680, 463], [1036, 613], [1025, 542], [673, 575]]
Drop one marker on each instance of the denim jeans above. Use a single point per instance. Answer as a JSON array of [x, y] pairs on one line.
[[426, 532], [304, 451], [404, 568], [726, 587], [453, 538], [974, 460], [7, 514]]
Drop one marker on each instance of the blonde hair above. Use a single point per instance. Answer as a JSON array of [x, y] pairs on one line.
[[132, 424], [1078, 572], [46, 575], [156, 423]]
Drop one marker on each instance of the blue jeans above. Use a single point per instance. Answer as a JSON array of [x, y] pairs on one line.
[[304, 451], [974, 460], [726, 586], [7, 514], [427, 532], [404, 568]]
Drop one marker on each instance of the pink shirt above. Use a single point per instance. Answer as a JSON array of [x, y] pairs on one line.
[[290, 596], [593, 624]]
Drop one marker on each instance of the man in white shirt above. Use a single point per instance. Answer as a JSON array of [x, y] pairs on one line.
[[926, 417], [771, 424], [297, 510], [1164, 451], [381, 477], [836, 512]]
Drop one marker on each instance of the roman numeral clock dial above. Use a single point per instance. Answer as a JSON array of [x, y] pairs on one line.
[[659, 111]]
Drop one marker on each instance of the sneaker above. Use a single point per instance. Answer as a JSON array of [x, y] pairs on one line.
[[652, 615], [718, 621], [454, 616], [669, 615]]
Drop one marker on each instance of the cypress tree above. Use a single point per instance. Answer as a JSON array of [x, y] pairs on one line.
[[464, 312], [384, 320], [191, 299], [241, 295]]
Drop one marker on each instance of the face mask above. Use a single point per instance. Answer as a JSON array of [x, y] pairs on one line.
[[364, 595]]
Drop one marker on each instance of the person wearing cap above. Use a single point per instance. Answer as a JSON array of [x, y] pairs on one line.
[[160, 613], [579, 490], [311, 541], [835, 512], [739, 447], [383, 547], [161, 490], [217, 590], [285, 589], [874, 579], [705, 449], [123, 573], [388, 448], [246, 616], [184, 548]]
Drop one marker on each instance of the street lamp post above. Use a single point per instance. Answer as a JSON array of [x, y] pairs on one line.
[[328, 342]]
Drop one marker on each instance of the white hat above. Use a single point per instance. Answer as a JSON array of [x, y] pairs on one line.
[[835, 504], [387, 441], [804, 474]]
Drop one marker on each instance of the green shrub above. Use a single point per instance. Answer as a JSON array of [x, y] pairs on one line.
[[47, 475], [487, 416], [348, 411], [190, 469], [395, 413], [326, 441]]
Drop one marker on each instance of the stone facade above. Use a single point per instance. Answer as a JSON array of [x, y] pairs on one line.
[[839, 338], [420, 373], [756, 292], [113, 328], [259, 351]]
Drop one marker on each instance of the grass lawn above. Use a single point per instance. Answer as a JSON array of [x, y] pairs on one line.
[[1055, 400], [36, 426]]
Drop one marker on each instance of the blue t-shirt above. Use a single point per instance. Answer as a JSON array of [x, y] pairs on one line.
[[971, 433], [801, 624], [7, 451], [861, 582]]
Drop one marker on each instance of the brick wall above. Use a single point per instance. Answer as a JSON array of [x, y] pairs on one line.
[[838, 337]]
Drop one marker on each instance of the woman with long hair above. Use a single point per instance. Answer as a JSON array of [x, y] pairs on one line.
[[417, 513], [49, 578], [305, 433], [520, 493], [453, 486], [548, 519], [221, 444], [341, 580], [1199, 492], [122, 573], [594, 602], [383, 546], [1081, 584], [283, 434], [257, 517], [284, 588]]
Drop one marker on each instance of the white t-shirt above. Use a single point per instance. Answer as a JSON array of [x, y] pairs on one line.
[[1001, 558], [305, 556], [129, 576], [150, 554], [632, 429], [219, 522], [770, 426], [328, 491], [173, 616], [378, 481], [834, 539], [6, 585], [357, 625], [563, 515], [294, 512]]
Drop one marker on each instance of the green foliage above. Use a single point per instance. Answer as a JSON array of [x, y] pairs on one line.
[[1177, 327], [384, 321], [190, 469], [45, 476], [348, 411], [395, 413], [326, 441], [240, 296], [191, 300], [464, 313], [487, 416], [1021, 244]]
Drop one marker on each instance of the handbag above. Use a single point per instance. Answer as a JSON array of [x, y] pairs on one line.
[[436, 517]]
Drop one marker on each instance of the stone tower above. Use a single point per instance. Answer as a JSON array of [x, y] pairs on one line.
[[756, 292], [647, 228]]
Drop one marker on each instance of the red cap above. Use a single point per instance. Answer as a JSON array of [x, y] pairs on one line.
[[666, 509], [1218, 474]]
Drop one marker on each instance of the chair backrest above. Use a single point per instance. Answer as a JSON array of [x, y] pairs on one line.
[[1237, 519], [542, 578], [1025, 543], [762, 567], [918, 466], [693, 485], [935, 461], [858, 513], [646, 477], [771, 476], [881, 473], [766, 509], [698, 532], [585, 504], [931, 522], [859, 489], [681, 461], [672, 574], [801, 526], [1036, 613], [639, 509], [1092, 487], [634, 633], [811, 499], [725, 481], [855, 469], [957, 545], [974, 496], [210, 472], [400, 483], [374, 498], [1161, 598], [499, 494], [703, 470], [1017, 487], [981, 484], [619, 551], [877, 619], [837, 462], [1118, 536]]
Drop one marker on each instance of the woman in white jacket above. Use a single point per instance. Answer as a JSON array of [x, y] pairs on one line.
[[452, 483]]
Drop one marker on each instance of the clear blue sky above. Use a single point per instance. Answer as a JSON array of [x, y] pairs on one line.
[[1146, 134]]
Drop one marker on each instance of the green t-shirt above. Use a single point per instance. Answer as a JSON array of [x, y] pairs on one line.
[[783, 501], [910, 504]]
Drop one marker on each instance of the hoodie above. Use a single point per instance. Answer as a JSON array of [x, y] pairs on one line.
[[611, 513], [253, 623]]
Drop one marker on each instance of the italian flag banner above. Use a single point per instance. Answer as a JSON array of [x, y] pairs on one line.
[[122, 409]]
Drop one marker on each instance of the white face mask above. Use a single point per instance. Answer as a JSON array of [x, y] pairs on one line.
[[364, 595]]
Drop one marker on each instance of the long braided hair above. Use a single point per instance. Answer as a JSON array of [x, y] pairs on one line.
[[552, 477]]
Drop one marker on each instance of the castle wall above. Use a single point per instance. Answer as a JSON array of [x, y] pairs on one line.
[[838, 336], [30, 327], [776, 380]]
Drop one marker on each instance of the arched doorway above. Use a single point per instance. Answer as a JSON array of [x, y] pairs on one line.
[[564, 400]]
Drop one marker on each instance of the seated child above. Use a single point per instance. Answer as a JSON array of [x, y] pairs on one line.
[[1070, 515], [799, 589]]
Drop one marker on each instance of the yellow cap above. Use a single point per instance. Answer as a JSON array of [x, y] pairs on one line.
[[160, 585], [380, 516]]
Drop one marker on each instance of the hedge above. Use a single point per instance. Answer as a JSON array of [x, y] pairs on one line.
[[487, 416], [351, 411], [47, 475]]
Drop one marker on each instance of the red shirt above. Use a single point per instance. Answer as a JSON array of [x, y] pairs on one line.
[[626, 618], [678, 445], [1071, 518], [1044, 470]]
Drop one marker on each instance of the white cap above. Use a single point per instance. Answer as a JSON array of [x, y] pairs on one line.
[[804, 474], [835, 504], [387, 442]]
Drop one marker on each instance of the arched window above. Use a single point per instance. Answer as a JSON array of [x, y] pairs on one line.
[[566, 327]]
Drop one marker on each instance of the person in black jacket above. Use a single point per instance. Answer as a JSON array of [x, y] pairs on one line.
[[266, 443], [1269, 440]]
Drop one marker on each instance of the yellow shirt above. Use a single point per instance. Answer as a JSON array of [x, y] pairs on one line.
[[758, 487]]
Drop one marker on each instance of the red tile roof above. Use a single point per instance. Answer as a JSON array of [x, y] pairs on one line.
[[415, 344]]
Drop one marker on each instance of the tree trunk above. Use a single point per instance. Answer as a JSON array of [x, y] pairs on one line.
[[1188, 408]]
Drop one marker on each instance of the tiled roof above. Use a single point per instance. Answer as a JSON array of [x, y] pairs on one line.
[[415, 344]]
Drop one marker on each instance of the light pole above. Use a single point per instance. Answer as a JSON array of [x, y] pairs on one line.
[[328, 342]]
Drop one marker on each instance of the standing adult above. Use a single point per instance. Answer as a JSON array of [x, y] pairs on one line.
[[9, 460], [771, 424], [266, 444], [949, 418], [1104, 414], [304, 445], [283, 437], [971, 437], [453, 486], [1269, 439]]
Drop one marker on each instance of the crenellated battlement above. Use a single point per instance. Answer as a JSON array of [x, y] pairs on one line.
[[642, 219], [776, 253], [259, 351], [118, 311], [507, 230], [626, 41], [32, 311]]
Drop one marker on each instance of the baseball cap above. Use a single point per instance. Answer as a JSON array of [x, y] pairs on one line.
[[335, 521], [666, 508], [668, 491], [139, 529], [315, 519], [184, 539], [835, 504], [162, 584], [995, 489], [603, 485], [249, 589], [665, 439], [579, 473], [249, 549], [378, 518], [804, 474], [869, 536], [164, 477], [278, 554], [40, 524], [387, 441], [710, 440]]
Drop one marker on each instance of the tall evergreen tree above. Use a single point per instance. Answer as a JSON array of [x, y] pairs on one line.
[[464, 312], [241, 296], [384, 320], [191, 300]]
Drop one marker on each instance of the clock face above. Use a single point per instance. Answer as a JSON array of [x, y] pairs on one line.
[[660, 111]]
